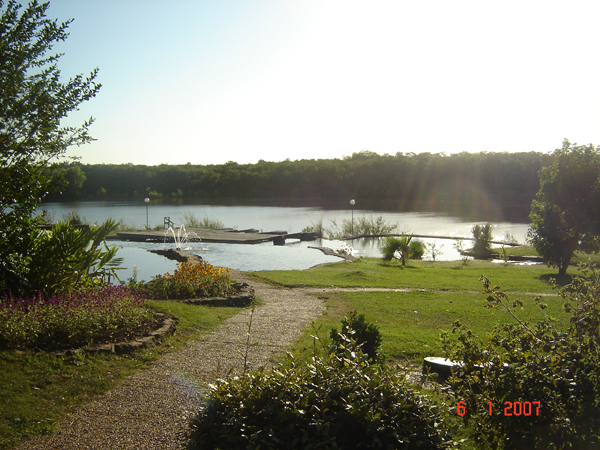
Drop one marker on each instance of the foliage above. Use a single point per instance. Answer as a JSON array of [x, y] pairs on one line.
[[33, 101], [531, 363], [565, 214], [433, 249], [504, 253], [403, 248], [68, 258], [456, 183], [76, 319], [189, 280], [362, 226], [417, 250], [365, 334], [337, 401], [460, 249], [482, 234], [191, 221], [316, 228]]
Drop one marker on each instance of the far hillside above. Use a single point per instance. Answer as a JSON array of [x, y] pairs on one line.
[[424, 181]]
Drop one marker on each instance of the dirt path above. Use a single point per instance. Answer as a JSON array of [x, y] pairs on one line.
[[151, 410]]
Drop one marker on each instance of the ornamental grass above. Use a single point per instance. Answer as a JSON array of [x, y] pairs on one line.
[[77, 319], [189, 280]]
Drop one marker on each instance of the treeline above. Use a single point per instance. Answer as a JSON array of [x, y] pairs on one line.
[[415, 181]]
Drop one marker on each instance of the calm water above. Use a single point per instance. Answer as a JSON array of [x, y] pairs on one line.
[[295, 255]]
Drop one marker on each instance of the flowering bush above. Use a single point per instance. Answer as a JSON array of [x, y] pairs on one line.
[[80, 318], [191, 281]]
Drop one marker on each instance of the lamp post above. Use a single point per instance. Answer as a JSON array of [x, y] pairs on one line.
[[352, 203], [147, 200]]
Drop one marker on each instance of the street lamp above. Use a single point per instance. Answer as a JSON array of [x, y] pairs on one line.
[[352, 203], [147, 200]]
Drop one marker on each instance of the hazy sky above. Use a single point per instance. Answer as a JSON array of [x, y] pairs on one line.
[[211, 81]]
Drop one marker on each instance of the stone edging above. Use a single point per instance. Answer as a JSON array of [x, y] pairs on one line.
[[151, 339]]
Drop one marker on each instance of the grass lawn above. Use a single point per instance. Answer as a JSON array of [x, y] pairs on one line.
[[411, 322], [36, 390], [444, 275]]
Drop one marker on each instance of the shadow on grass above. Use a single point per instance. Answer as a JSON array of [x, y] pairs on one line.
[[561, 280], [396, 265]]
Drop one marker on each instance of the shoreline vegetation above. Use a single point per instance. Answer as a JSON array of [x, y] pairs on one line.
[[460, 184]]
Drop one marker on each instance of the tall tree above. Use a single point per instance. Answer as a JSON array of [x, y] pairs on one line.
[[33, 101], [565, 214]]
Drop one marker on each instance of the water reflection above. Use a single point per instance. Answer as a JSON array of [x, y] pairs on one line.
[[266, 256]]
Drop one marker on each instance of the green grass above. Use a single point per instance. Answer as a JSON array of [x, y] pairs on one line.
[[37, 390], [446, 275], [411, 322]]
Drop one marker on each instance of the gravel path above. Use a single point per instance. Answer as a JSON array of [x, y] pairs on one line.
[[151, 410]]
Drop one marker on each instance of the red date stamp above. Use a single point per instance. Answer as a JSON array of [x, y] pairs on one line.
[[510, 408]]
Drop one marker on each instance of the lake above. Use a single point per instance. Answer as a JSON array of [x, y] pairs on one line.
[[295, 255]]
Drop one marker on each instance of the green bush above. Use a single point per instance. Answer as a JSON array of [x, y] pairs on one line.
[[338, 401], [361, 226], [66, 258], [403, 248], [417, 250], [191, 221], [482, 234], [556, 374], [356, 328]]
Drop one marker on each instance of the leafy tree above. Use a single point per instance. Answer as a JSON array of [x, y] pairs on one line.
[[33, 101], [483, 237], [565, 214]]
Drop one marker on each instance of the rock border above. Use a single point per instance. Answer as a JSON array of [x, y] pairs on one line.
[[150, 339], [244, 297], [178, 255]]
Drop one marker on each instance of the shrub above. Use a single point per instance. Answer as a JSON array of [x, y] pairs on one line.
[[65, 258], [191, 221], [403, 248], [365, 334], [338, 401], [361, 226], [189, 280], [482, 234], [416, 250], [434, 250], [557, 374], [71, 320]]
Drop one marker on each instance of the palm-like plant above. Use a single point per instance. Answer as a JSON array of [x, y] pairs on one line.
[[402, 248]]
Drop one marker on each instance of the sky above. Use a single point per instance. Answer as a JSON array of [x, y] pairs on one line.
[[212, 81]]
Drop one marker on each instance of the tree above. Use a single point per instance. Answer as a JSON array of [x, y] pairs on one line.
[[33, 101], [565, 212], [482, 234]]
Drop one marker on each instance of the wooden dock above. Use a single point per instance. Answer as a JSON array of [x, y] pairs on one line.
[[226, 236]]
